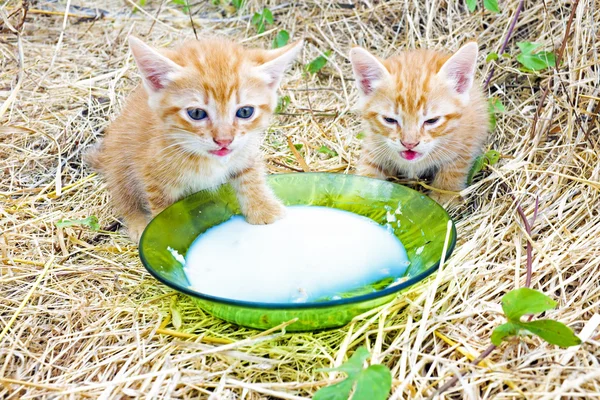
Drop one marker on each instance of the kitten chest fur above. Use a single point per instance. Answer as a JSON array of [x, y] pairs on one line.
[[208, 174]]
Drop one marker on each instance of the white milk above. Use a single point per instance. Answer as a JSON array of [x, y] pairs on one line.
[[312, 253]]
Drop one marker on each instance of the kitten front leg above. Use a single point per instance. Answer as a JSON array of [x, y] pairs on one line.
[[259, 205], [451, 177], [157, 199], [128, 203]]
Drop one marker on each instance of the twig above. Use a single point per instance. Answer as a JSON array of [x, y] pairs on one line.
[[593, 119], [27, 297], [528, 224], [241, 17], [160, 6], [559, 56], [455, 379], [20, 59], [191, 20], [286, 166], [511, 28], [24, 8], [297, 155]]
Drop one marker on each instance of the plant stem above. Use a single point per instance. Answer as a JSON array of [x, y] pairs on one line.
[[191, 19], [559, 56], [528, 224], [511, 28]]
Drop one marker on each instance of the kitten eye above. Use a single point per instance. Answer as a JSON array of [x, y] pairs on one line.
[[432, 121], [244, 112], [196, 113], [390, 120]]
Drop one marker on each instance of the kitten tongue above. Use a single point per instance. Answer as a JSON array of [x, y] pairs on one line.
[[409, 154], [221, 152]]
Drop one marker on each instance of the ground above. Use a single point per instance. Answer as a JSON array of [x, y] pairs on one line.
[[80, 317]]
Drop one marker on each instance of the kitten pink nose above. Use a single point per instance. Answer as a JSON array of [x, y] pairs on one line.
[[410, 145], [223, 142]]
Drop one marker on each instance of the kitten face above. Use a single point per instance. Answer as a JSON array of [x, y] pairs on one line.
[[213, 97], [413, 103]]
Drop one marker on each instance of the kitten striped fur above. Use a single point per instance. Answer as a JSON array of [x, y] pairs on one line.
[[189, 127], [422, 112]]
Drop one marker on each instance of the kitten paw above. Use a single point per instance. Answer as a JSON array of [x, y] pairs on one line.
[[134, 231], [265, 213], [446, 199]]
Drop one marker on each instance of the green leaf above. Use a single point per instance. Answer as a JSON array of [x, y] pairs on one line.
[[373, 383], [494, 106], [91, 222], [260, 20], [519, 302], [360, 135], [538, 61], [491, 57], [298, 146], [176, 318], [339, 391], [281, 39], [478, 165], [183, 3], [492, 121], [282, 104], [354, 364], [503, 331], [491, 5], [318, 63], [471, 5], [141, 3], [553, 332], [492, 157], [328, 151], [238, 4], [535, 61], [267, 16], [527, 47], [257, 21]]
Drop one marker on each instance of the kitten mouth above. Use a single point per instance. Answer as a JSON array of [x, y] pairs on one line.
[[221, 152], [410, 155]]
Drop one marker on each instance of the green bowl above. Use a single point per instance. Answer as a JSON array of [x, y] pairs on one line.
[[421, 227]]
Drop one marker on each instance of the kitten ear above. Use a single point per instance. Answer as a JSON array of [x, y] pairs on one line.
[[157, 70], [459, 70], [278, 62], [368, 70]]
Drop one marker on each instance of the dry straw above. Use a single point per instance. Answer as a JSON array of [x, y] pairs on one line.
[[80, 318]]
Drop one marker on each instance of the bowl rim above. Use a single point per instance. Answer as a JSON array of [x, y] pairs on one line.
[[299, 306]]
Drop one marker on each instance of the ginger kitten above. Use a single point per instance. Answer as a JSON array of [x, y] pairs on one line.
[[422, 113], [194, 124]]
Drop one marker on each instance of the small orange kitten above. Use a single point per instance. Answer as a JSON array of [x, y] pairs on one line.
[[422, 113], [196, 123]]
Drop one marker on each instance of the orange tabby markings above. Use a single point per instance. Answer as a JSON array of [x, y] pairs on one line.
[[421, 112], [196, 123]]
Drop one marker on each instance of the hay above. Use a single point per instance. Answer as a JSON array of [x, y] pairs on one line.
[[81, 318]]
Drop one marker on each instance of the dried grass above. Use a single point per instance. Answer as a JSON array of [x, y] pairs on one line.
[[81, 318]]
